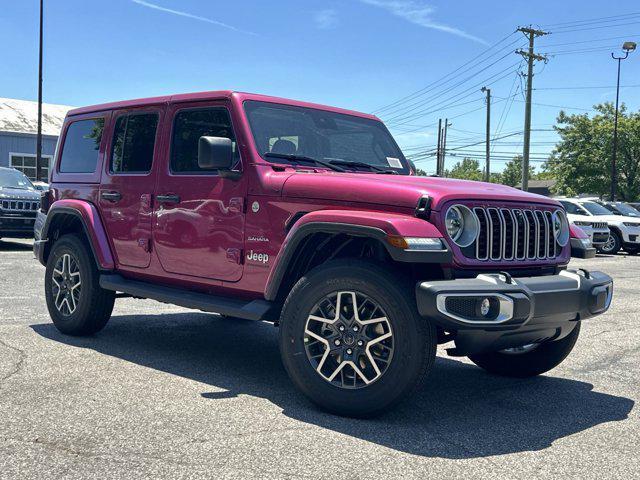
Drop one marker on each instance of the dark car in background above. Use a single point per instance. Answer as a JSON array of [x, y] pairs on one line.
[[19, 204], [621, 208]]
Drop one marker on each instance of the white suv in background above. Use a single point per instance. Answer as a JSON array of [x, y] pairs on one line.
[[624, 232]]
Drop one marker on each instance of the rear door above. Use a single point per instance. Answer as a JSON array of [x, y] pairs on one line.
[[128, 182], [199, 214]]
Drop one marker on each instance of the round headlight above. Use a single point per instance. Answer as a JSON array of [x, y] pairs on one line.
[[462, 225], [455, 223], [560, 227]]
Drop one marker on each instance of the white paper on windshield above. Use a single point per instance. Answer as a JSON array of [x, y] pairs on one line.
[[394, 162]]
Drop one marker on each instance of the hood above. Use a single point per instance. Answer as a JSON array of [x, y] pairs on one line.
[[613, 218], [582, 218], [18, 193], [400, 190]]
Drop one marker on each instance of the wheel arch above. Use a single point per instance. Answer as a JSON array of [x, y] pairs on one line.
[[80, 217], [321, 236]]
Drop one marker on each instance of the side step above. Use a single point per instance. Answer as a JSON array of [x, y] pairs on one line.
[[249, 310]]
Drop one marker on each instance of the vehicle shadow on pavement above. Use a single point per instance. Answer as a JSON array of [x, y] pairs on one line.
[[460, 412], [8, 246]]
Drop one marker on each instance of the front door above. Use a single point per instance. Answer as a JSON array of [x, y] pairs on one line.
[[199, 217], [127, 184]]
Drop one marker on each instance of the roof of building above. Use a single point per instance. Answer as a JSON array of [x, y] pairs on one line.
[[22, 116], [539, 184]]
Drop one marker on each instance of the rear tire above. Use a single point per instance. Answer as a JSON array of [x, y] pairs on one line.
[[77, 305], [400, 343], [530, 363]]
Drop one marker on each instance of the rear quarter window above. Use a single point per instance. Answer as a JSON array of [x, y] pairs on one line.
[[81, 146]]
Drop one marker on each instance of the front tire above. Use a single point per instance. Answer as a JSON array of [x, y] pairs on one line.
[[351, 338], [76, 303], [530, 360], [613, 244]]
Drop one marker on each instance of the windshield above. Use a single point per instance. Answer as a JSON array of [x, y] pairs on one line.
[[15, 179], [327, 136], [627, 209], [595, 208]]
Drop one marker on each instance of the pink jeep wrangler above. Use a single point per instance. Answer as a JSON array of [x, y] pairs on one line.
[[309, 217]]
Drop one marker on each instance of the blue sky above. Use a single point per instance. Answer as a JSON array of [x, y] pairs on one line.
[[359, 54]]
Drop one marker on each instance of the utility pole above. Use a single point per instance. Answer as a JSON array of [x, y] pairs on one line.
[[531, 57], [39, 135], [444, 144], [438, 151], [487, 168]]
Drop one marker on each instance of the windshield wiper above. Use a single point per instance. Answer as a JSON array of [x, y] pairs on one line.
[[349, 163], [302, 159]]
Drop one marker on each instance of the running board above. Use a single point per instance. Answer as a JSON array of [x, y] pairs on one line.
[[249, 310]]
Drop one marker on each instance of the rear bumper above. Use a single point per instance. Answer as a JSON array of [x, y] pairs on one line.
[[521, 310], [581, 249]]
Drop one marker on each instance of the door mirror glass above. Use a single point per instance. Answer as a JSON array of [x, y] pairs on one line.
[[215, 153]]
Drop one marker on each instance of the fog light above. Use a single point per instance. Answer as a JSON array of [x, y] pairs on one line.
[[485, 307]]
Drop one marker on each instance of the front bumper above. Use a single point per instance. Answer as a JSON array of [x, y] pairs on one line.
[[16, 225], [521, 310]]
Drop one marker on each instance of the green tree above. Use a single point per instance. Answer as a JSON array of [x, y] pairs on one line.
[[581, 162], [467, 169], [512, 173]]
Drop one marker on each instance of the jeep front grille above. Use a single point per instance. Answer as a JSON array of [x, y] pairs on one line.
[[514, 234], [20, 205]]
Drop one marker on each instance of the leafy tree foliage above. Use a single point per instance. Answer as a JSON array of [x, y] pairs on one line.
[[581, 162], [467, 169], [512, 173]]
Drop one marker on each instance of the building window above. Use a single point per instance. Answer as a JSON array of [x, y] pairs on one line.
[[26, 163]]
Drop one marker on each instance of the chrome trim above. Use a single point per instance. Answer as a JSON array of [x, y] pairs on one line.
[[506, 307], [535, 222]]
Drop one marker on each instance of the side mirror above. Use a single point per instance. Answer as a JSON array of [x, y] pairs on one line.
[[413, 167], [215, 153]]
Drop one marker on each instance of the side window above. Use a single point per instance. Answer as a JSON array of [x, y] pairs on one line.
[[81, 146], [188, 127], [571, 208], [133, 141]]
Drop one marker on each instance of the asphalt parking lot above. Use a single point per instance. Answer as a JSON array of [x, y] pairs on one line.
[[165, 392]]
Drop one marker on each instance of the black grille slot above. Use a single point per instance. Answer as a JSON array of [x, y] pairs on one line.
[[521, 240], [542, 234], [496, 234], [510, 233], [482, 243], [551, 236], [533, 233]]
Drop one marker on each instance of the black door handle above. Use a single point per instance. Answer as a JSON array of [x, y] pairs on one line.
[[111, 196], [168, 198]]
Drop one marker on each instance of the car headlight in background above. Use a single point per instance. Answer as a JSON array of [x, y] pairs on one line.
[[631, 224], [560, 227], [583, 224], [462, 225]]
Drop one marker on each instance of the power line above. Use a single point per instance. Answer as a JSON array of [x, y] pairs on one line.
[[441, 79], [437, 95], [401, 120], [593, 28], [589, 41], [621, 16]]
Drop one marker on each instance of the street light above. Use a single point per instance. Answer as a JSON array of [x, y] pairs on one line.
[[626, 47]]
